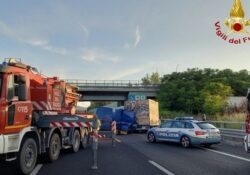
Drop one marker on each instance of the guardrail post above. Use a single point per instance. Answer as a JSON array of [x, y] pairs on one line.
[[222, 125], [243, 127]]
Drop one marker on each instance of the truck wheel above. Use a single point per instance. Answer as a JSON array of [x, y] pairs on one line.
[[28, 156], [76, 141], [54, 147], [85, 141], [185, 142]]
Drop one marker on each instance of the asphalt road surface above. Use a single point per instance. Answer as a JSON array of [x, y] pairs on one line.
[[135, 156]]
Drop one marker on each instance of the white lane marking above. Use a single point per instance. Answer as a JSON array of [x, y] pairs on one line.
[[161, 168], [227, 154], [119, 141], [36, 170]]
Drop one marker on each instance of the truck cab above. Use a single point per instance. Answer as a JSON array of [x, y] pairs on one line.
[[15, 104]]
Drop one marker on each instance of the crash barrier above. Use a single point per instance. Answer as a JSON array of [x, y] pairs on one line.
[[234, 131]]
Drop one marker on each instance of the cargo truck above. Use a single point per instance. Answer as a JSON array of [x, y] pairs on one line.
[[146, 113], [37, 115]]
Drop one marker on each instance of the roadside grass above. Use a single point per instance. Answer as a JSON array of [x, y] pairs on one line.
[[237, 117], [229, 121]]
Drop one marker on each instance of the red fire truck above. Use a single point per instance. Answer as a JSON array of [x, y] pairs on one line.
[[37, 115]]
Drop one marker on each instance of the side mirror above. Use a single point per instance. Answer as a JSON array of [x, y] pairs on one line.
[[22, 93]]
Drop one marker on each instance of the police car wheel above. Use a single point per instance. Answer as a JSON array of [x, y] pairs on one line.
[[151, 137], [185, 142], [207, 145]]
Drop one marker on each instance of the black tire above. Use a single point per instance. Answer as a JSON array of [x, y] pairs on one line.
[[151, 137], [185, 142], [208, 145], [28, 156], [54, 149], [85, 141], [76, 141]]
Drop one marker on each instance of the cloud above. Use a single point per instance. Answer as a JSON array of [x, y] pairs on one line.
[[137, 36], [45, 45], [97, 55], [30, 40], [37, 42], [60, 51], [5, 30], [85, 30], [126, 46], [125, 73], [137, 39]]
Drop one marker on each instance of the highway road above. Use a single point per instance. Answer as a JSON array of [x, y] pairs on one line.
[[135, 156]]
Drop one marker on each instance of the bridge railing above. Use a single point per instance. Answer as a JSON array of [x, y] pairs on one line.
[[110, 83]]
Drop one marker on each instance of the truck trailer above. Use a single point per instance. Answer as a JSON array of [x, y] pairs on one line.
[[37, 115], [146, 113]]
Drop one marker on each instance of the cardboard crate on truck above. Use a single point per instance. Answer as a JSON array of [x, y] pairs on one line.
[[146, 112]]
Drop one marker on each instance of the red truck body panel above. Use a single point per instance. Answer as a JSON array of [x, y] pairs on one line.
[[42, 94]]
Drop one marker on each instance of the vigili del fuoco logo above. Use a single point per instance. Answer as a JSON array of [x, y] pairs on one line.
[[236, 26]]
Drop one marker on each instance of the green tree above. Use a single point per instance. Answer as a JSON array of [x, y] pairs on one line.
[[154, 78], [192, 90], [215, 97], [146, 80]]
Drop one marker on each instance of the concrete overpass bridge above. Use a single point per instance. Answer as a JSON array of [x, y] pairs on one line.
[[114, 90]]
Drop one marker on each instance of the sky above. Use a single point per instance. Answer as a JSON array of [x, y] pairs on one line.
[[119, 39]]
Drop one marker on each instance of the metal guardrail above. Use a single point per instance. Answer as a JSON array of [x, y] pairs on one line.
[[110, 83], [232, 130]]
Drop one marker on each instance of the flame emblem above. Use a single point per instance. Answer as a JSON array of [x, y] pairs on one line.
[[237, 22]]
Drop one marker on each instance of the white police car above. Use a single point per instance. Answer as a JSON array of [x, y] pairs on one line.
[[186, 131]]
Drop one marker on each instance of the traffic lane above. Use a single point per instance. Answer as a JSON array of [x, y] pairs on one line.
[[9, 168], [195, 160], [228, 147], [122, 160], [224, 146]]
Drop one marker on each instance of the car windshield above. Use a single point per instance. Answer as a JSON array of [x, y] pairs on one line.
[[205, 125]]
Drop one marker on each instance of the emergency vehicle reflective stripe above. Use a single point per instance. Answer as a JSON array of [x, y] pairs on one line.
[[96, 135], [70, 124], [46, 105], [42, 105], [113, 126], [88, 124], [36, 105]]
